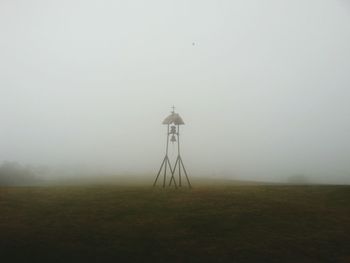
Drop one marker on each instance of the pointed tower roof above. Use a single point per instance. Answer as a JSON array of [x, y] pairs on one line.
[[173, 118]]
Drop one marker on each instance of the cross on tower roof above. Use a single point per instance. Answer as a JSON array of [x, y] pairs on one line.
[[173, 107]]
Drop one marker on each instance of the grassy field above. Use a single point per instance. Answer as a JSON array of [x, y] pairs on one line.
[[249, 223]]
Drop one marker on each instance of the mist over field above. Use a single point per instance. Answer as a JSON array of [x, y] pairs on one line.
[[263, 87]]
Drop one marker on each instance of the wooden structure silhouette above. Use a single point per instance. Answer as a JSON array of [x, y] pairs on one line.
[[173, 122]]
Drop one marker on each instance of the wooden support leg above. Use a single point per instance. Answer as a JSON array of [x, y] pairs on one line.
[[172, 175], [188, 180], [161, 167], [180, 183], [173, 172], [166, 164]]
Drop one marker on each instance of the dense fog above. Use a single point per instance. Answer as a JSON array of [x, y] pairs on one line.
[[263, 87]]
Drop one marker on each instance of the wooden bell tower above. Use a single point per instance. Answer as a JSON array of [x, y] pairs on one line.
[[178, 172]]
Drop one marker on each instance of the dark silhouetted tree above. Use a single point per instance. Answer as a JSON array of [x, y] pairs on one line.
[[14, 174]]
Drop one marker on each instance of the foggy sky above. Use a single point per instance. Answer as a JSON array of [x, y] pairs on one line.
[[264, 90]]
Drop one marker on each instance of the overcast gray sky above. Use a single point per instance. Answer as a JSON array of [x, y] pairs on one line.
[[263, 86]]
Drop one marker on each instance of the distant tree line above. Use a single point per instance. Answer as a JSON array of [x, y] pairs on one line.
[[14, 174]]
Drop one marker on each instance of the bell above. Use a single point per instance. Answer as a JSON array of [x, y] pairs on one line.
[[173, 130], [173, 139]]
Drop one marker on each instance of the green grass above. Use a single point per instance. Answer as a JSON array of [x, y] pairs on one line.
[[251, 223]]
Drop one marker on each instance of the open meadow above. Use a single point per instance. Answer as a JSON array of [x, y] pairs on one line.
[[242, 223]]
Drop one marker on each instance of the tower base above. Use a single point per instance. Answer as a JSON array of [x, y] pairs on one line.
[[179, 168]]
